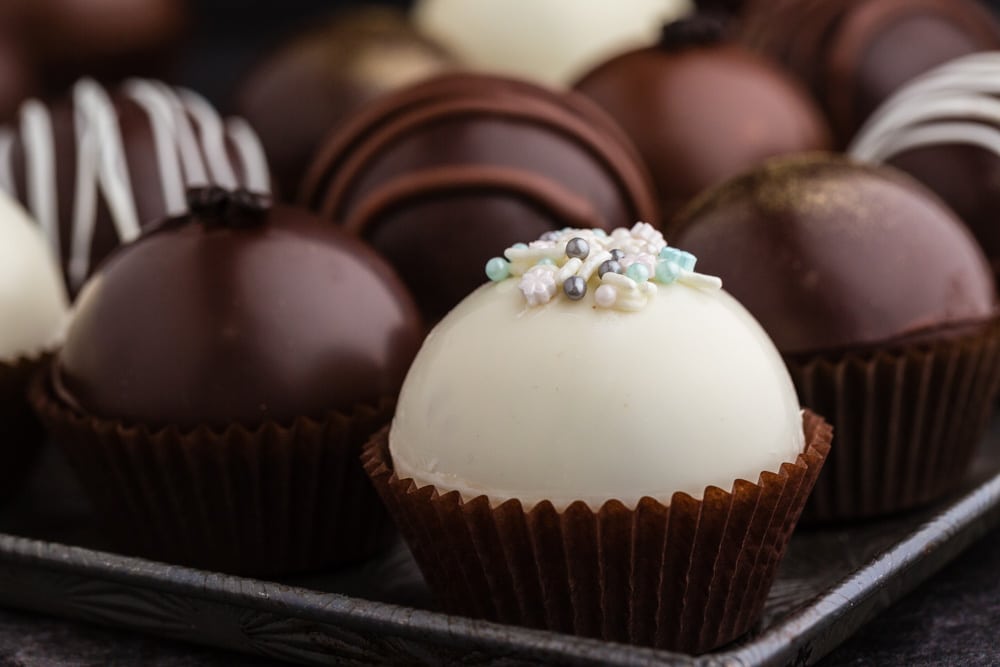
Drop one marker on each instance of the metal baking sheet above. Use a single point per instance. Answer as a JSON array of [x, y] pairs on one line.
[[832, 581]]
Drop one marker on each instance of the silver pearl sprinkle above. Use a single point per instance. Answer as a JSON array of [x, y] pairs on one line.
[[617, 255], [575, 287], [577, 247], [610, 265]]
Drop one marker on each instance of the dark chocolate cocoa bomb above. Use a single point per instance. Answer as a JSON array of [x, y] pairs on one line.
[[831, 255], [440, 175], [96, 168], [853, 54], [312, 84], [702, 110], [237, 313]]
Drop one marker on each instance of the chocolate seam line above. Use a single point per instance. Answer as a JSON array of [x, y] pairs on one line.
[[546, 195], [412, 108], [863, 23]]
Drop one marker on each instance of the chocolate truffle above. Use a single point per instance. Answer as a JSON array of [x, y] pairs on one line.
[[884, 309], [96, 168], [106, 39], [854, 53], [943, 128], [547, 41], [701, 110], [829, 254], [330, 71], [234, 314], [438, 175]]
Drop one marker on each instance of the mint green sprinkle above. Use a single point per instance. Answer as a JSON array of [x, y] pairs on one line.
[[638, 272], [667, 271], [519, 246], [497, 269], [682, 259]]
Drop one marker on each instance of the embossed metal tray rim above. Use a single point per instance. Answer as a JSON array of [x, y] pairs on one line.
[[318, 619]]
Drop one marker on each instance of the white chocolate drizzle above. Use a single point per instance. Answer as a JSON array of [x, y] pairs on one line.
[[951, 104], [192, 148], [622, 269]]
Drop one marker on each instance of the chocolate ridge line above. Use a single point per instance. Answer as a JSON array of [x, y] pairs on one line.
[[450, 95], [546, 194]]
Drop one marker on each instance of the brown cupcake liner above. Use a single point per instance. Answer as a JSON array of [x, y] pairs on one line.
[[689, 576], [273, 500], [21, 434], [908, 421]]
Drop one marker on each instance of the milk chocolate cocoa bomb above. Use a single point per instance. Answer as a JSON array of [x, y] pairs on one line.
[[331, 72], [701, 109], [883, 307], [95, 168], [440, 174], [852, 54]]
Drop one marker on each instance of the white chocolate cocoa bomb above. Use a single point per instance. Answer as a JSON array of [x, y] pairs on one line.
[[569, 400], [549, 41], [33, 302]]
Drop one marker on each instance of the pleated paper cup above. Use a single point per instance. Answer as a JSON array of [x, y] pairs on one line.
[[21, 434], [274, 500], [689, 577], [908, 421]]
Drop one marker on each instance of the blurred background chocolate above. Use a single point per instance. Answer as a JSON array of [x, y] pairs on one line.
[[95, 167], [548, 41], [853, 54], [944, 129], [312, 83], [702, 109], [439, 175]]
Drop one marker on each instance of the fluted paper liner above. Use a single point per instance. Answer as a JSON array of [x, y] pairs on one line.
[[689, 576], [908, 421], [273, 500], [21, 434]]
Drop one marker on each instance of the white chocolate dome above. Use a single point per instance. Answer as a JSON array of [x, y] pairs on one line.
[[33, 302], [549, 41], [569, 400]]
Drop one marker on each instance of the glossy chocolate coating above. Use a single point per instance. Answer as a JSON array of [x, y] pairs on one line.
[[703, 112], [18, 80], [853, 54], [106, 39], [330, 73], [828, 254], [443, 175], [205, 323]]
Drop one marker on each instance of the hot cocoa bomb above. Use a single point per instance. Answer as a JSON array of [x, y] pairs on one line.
[[701, 109], [238, 312], [95, 168], [853, 54], [331, 71], [439, 175]]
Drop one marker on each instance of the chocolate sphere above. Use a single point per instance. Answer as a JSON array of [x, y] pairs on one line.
[[701, 110], [854, 53], [331, 72], [830, 255], [441, 175], [237, 314], [94, 169], [107, 39]]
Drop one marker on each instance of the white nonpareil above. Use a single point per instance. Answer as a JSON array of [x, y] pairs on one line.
[[567, 401], [33, 303], [191, 149]]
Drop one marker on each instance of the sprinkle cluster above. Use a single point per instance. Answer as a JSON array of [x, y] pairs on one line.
[[621, 269]]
